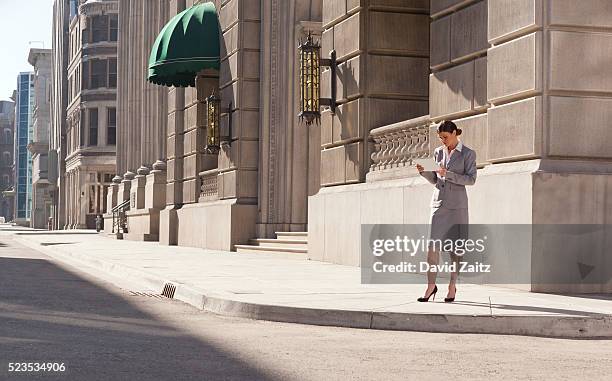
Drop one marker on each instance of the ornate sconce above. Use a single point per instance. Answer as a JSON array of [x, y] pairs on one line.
[[214, 139], [213, 124], [310, 80]]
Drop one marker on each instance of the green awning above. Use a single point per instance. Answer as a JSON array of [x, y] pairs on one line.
[[187, 44]]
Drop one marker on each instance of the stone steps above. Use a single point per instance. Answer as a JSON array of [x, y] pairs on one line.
[[286, 245]]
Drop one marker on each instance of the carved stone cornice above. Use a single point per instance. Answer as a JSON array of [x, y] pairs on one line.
[[98, 7]]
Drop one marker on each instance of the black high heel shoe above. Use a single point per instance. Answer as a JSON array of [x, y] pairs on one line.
[[450, 300], [426, 299]]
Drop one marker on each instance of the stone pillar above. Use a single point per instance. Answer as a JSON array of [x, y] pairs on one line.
[[287, 175], [124, 187], [155, 190], [137, 189], [124, 47], [168, 230], [111, 202], [68, 199], [82, 201], [238, 164], [113, 191]]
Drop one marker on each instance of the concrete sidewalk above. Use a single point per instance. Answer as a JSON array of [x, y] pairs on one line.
[[266, 287]]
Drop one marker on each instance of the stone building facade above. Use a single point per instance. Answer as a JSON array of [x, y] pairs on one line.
[[7, 191], [24, 104], [63, 11], [520, 77], [141, 147], [42, 191], [91, 127]]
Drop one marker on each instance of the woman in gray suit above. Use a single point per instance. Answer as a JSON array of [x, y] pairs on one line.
[[449, 203]]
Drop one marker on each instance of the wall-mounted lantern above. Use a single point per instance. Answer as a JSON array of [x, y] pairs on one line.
[[213, 123], [310, 80], [214, 139]]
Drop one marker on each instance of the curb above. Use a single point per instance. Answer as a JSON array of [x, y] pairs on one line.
[[589, 327]]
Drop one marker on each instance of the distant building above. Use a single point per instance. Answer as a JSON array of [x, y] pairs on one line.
[[38, 145], [23, 158], [63, 11], [7, 124], [91, 110]]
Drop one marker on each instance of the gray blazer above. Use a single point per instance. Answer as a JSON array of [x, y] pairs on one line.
[[450, 191]]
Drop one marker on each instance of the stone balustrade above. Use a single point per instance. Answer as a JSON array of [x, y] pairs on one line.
[[208, 185], [396, 146]]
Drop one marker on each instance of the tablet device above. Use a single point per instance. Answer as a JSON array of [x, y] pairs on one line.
[[429, 164]]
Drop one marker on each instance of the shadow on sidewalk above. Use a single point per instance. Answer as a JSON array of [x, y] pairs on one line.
[[48, 314], [547, 310]]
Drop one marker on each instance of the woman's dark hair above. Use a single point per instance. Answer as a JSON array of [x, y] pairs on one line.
[[448, 126]]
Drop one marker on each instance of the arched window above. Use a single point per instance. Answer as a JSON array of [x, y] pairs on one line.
[[8, 137], [6, 158]]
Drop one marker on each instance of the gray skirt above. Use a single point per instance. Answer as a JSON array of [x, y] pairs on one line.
[[448, 224]]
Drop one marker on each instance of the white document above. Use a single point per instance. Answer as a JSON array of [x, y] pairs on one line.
[[429, 164]]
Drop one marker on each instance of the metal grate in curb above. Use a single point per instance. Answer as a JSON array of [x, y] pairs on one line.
[[169, 290], [146, 294]]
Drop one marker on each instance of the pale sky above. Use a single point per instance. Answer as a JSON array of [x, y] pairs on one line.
[[21, 21]]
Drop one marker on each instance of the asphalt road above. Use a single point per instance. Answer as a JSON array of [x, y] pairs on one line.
[[102, 329]]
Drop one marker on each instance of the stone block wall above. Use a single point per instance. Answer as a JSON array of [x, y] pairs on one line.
[[458, 80], [524, 78], [240, 22], [382, 48]]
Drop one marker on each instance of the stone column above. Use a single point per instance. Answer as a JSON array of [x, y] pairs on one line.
[[82, 205], [238, 164], [285, 170], [113, 191], [137, 189], [168, 233], [123, 80], [68, 199], [124, 187], [155, 190]]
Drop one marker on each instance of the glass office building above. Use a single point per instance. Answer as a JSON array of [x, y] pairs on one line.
[[23, 134]]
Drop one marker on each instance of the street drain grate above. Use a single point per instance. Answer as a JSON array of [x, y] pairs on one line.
[[169, 290], [146, 294]]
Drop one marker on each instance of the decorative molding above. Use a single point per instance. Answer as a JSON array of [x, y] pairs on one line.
[[98, 7], [209, 185], [274, 50], [397, 145]]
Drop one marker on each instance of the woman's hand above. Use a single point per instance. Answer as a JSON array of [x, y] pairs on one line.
[[441, 171], [420, 168]]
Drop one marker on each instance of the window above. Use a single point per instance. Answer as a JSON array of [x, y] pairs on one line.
[[111, 137], [98, 74], [99, 28], [85, 76], [93, 127], [81, 125], [5, 180], [8, 138], [112, 73], [6, 158], [114, 27]]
